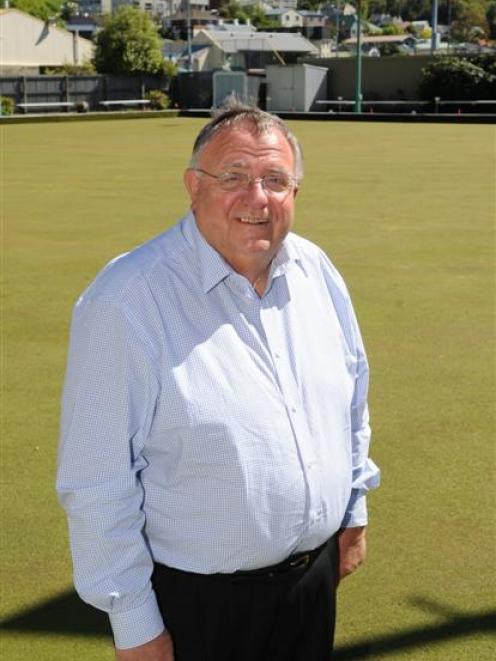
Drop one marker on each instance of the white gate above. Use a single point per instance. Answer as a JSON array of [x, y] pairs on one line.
[[228, 82]]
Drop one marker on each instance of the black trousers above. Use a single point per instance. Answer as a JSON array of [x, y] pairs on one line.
[[281, 613]]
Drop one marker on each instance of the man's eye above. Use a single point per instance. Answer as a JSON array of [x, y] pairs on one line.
[[276, 180], [233, 178]]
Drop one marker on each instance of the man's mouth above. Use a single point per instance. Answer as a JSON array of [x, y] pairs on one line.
[[250, 220]]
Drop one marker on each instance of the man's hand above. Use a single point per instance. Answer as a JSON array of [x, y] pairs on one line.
[[352, 549], [158, 649]]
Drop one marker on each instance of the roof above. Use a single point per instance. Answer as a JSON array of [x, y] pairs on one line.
[[278, 11], [195, 14], [308, 13], [232, 27], [291, 42], [29, 41], [382, 39]]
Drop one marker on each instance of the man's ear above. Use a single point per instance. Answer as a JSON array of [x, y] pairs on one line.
[[192, 184]]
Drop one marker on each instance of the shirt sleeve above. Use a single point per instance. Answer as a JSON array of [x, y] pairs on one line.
[[365, 474], [107, 409]]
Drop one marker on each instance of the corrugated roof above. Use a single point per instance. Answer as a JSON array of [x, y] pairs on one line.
[[293, 42]]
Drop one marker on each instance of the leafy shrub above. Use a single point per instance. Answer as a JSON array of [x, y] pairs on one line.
[[456, 79], [85, 69], [158, 99], [8, 105]]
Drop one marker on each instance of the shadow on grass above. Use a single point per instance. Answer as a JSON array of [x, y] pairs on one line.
[[67, 614], [456, 625]]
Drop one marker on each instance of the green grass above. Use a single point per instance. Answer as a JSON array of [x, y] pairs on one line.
[[407, 214]]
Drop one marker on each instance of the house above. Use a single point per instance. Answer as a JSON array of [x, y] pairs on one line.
[[29, 43], [312, 19], [271, 4], [220, 49], [286, 18], [377, 44], [232, 26], [177, 23], [333, 11], [94, 7], [163, 8]]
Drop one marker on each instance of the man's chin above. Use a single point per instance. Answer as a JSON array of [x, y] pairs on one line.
[[258, 246]]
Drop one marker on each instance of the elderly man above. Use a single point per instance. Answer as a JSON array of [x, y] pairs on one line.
[[214, 452]]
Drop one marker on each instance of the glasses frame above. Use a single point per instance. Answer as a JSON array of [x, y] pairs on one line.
[[251, 180]]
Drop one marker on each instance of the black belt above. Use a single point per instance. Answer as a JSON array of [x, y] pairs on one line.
[[295, 563]]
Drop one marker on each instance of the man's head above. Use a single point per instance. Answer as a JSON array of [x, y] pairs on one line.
[[242, 181]]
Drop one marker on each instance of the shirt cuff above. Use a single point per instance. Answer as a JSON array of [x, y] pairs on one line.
[[356, 512], [138, 626]]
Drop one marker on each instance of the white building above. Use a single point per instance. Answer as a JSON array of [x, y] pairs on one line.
[[218, 49], [162, 7], [287, 18], [271, 4], [28, 43]]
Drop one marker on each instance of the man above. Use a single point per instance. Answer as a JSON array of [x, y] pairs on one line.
[[215, 428]]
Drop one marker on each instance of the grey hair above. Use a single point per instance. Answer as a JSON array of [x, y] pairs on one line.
[[236, 112]]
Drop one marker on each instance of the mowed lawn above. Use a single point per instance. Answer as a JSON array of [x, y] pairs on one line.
[[407, 214]]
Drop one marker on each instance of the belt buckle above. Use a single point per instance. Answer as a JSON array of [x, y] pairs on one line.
[[301, 562]]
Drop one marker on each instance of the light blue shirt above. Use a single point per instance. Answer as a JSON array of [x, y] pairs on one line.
[[205, 427]]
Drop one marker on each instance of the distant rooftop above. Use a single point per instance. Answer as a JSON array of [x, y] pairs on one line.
[[231, 42]]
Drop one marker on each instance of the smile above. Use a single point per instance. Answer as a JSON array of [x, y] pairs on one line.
[[253, 221]]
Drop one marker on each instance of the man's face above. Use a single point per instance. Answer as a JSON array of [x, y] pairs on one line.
[[245, 226]]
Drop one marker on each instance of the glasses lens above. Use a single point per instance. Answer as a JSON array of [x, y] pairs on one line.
[[231, 181], [277, 183]]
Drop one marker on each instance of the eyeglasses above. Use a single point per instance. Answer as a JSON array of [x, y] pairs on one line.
[[275, 182]]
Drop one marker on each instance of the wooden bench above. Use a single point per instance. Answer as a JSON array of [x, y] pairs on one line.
[[46, 104], [125, 102]]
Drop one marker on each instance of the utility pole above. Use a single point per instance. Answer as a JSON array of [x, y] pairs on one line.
[[190, 59], [338, 9], [358, 73], [434, 27]]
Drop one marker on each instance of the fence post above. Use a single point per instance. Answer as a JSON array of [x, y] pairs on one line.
[[437, 99], [24, 93], [66, 90]]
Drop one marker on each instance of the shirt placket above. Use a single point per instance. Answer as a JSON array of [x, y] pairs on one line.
[[272, 320]]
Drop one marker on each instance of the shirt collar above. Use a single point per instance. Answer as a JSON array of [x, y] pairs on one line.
[[213, 267]]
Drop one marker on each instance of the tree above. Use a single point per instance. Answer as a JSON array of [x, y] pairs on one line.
[[392, 29], [309, 5], [232, 10], [69, 9], [258, 17], [467, 15], [128, 43], [491, 19], [457, 79], [44, 9]]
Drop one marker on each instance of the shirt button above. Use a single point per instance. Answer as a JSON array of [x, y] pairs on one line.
[[276, 355], [293, 410]]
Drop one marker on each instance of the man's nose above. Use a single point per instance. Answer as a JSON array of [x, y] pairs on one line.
[[256, 192]]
